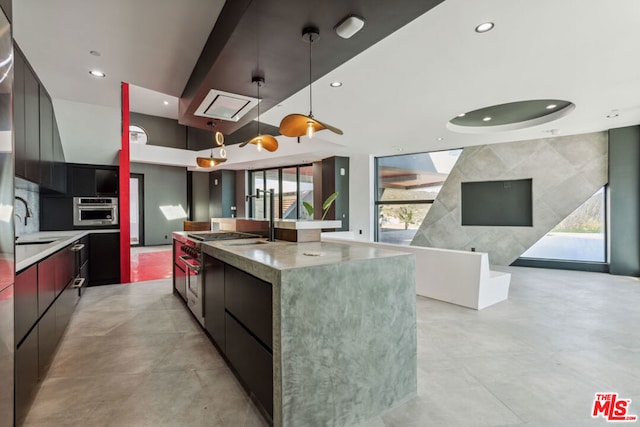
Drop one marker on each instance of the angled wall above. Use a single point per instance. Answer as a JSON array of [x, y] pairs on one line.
[[566, 171]]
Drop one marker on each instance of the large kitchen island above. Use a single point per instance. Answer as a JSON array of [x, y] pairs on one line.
[[318, 333]]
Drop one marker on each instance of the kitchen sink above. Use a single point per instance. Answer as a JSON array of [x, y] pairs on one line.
[[35, 242], [246, 242]]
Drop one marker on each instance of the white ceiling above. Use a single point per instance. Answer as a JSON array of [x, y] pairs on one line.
[[397, 96]]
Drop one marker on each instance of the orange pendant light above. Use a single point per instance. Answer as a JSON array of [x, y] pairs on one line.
[[297, 125], [210, 162], [261, 141]]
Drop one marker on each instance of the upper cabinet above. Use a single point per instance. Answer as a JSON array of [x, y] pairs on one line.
[[39, 156]]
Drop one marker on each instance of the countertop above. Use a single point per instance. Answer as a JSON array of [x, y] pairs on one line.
[[266, 259], [52, 241]]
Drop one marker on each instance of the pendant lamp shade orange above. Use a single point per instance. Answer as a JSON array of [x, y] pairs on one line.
[[297, 125], [210, 162], [261, 141]]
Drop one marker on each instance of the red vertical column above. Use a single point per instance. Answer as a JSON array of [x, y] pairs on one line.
[[125, 226]]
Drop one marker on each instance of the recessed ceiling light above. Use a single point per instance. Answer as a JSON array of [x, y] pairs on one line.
[[486, 119], [551, 106], [484, 27], [335, 84], [462, 115], [94, 53], [96, 73], [439, 138], [612, 115], [166, 102]]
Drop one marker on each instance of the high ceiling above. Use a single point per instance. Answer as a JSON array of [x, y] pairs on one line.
[[397, 96]]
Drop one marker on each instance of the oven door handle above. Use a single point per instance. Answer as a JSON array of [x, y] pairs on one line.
[[190, 265]]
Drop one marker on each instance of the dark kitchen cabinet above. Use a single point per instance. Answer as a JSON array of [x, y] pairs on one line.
[[46, 139], [249, 300], [31, 126], [59, 172], [47, 340], [25, 302], [251, 360], [18, 113], [238, 317], [214, 300], [46, 283], [26, 374], [93, 181], [104, 258]]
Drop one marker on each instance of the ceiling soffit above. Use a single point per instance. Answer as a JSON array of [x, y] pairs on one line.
[[274, 27]]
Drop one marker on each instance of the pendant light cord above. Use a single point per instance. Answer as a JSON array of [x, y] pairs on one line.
[[310, 84]]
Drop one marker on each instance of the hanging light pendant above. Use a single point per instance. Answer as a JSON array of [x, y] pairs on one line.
[[261, 141], [210, 162], [298, 125]]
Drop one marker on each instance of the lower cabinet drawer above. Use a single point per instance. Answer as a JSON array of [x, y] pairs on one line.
[[252, 362], [26, 374], [249, 300], [47, 340]]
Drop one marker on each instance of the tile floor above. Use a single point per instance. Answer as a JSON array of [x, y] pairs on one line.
[[151, 263], [133, 356]]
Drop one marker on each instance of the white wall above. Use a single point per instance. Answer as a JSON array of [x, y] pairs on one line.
[[89, 133], [361, 196]]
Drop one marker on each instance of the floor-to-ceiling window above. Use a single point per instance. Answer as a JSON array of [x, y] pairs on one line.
[[579, 237], [292, 185], [406, 186]]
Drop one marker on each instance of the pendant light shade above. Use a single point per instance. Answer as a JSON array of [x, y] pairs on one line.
[[261, 141], [297, 125], [210, 162]]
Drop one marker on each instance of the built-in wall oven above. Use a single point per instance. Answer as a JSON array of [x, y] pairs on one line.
[[95, 211]]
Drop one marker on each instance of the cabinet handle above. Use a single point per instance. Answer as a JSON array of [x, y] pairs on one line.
[[78, 247], [77, 283]]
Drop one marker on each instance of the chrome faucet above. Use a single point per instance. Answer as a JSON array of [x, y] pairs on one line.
[[29, 213], [272, 229]]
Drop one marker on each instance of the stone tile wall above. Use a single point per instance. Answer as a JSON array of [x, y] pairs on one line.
[[566, 171]]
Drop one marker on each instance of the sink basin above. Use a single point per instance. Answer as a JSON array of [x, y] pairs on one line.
[[35, 242], [246, 242]]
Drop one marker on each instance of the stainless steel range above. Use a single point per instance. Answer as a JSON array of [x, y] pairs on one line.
[[188, 253]]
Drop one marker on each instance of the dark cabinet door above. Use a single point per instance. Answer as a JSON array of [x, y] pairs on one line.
[[65, 265], [104, 258], [83, 181], [213, 289], [46, 139], [248, 299], [251, 360], [25, 302], [47, 340], [59, 173], [46, 283], [26, 374], [18, 114], [65, 305], [32, 125]]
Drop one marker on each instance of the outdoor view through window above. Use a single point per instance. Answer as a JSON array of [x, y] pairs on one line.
[[579, 237], [407, 185]]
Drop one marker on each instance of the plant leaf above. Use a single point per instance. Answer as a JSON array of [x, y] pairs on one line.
[[329, 200], [308, 207]]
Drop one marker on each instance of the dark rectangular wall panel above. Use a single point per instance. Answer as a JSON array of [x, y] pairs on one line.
[[624, 197], [200, 196]]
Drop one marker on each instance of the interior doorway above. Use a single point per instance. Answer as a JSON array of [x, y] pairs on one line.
[[136, 205]]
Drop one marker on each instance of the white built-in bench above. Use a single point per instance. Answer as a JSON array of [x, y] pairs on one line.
[[458, 277]]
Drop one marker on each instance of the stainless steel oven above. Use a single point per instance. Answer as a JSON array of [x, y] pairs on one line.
[[192, 260], [95, 211]]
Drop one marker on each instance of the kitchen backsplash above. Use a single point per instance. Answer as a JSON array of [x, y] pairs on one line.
[[31, 193]]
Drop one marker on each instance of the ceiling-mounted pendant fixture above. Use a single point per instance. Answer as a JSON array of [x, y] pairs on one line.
[[209, 162], [298, 125], [261, 141]]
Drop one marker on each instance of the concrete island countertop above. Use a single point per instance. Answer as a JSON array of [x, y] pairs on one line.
[[42, 244], [344, 326]]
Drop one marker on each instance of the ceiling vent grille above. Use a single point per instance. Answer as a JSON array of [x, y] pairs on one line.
[[225, 106]]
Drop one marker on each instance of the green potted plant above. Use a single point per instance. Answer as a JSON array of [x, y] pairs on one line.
[[325, 206]]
